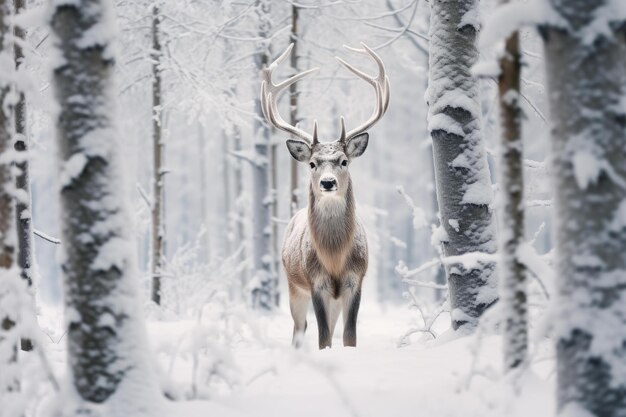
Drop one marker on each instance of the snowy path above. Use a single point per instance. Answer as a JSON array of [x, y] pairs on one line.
[[375, 379]]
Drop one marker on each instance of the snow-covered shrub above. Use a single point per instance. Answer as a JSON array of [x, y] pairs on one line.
[[203, 313]]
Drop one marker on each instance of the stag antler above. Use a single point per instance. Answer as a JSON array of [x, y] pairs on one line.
[[380, 84], [269, 98], [271, 91]]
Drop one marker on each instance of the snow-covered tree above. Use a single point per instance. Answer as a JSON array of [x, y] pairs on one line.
[[106, 347], [9, 381], [158, 152], [462, 174], [293, 107], [511, 271], [23, 206], [585, 54], [265, 279]]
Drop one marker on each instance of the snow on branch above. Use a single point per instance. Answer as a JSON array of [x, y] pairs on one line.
[[510, 17], [44, 236], [406, 273]]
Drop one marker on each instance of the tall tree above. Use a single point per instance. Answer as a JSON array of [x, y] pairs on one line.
[[293, 109], [239, 213], [511, 270], [265, 290], [99, 264], [586, 73], [158, 173], [9, 383], [462, 175], [23, 206]]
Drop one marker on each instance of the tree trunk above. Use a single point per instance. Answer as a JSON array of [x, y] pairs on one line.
[[9, 308], [586, 73], [158, 174], [265, 289], [226, 189], [204, 206], [240, 212], [511, 271], [293, 109], [463, 183], [106, 341], [23, 206], [439, 273]]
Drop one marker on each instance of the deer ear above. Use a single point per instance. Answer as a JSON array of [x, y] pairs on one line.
[[300, 150], [357, 145]]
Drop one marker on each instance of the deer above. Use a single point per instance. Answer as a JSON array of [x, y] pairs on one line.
[[324, 251]]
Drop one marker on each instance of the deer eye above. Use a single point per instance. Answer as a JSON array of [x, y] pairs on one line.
[[312, 165], [344, 163]]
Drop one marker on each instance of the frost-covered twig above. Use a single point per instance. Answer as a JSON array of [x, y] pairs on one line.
[[405, 272], [244, 156], [429, 320], [424, 284], [144, 196], [419, 217], [379, 16], [403, 30], [537, 233], [44, 236]]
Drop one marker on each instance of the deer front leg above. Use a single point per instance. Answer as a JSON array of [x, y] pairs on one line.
[[320, 305], [299, 304], [351, 302]]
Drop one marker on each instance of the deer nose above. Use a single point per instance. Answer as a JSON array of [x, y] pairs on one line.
[[328, 183]]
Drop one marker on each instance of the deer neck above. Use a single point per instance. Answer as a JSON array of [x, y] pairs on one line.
[[332, 224]]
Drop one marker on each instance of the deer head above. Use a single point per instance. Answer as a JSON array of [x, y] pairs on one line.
[[329, 161]]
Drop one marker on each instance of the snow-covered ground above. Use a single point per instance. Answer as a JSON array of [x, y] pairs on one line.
[[261, 375]]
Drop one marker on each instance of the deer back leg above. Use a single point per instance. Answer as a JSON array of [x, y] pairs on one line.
[[351, 301]]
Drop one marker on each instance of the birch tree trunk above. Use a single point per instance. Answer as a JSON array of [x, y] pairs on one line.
[[204, 206], [227, 190], [586, 73], [106, 341], [462, 175], [23, 205], [239, 213], [265, 289], [158, 174], [9, 382], [511, 271]]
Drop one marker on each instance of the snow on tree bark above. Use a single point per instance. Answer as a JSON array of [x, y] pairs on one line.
[[462, 175], [511, 271], [265, 279], [9, 309], [108, 366], [293, 108], [158, 174], [586, 72], [23, 206]]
